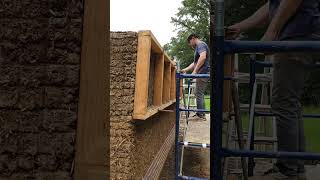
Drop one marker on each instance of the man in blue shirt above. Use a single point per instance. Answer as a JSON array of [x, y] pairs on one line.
[[200, 65], [297, 20]]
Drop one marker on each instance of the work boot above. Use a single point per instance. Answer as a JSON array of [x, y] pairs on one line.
[[275, 174], [278, 176], [197, 117]]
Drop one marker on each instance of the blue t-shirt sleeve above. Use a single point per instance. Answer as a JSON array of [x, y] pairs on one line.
[[201, 48]]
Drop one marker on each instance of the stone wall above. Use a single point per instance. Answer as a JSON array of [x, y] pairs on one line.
[[133, 143], [39, 87]]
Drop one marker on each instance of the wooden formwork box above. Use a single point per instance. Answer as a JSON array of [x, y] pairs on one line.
[[163, 93], [163, 81]]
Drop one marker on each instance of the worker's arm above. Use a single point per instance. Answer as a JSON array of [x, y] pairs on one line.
[[200, 62], [189, 68], [259, 18], [286, 10]]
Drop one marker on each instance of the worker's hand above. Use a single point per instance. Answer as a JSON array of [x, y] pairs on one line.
[[270, 35], [183, 71], [193, 73], [232, 32]]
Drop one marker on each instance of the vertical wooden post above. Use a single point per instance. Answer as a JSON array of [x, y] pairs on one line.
[[166, 82], [181, 87], [228, 71], [142, 74], [158, 81], [173, 83], [92, 132]]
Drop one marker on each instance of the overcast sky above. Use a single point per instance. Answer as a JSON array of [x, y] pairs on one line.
[[154, 15]]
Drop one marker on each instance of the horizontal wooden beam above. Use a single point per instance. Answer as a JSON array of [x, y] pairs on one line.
[[153, 111], [167, 59], [166, 110], [156, 47]]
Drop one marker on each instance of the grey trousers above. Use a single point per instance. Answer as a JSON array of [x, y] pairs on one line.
[[201, 84], [289, 73]]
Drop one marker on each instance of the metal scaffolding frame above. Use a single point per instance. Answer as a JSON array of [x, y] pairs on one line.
[[219, 48]]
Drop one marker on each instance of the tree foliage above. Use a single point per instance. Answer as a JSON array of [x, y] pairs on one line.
[[193, 17]]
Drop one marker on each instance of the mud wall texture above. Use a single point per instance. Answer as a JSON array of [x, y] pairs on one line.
[[39, 83], [168, 169], [133, 144]]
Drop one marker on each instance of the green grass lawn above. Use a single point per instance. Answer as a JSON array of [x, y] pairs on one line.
[[311, 126]]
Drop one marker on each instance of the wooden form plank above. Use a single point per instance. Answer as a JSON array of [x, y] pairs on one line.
[[166, 110], [154, 111], [166, 82], [142, 74], [92, 135], [181, 89], [156, 47], [173, 83], [158, 81], [167, 59], [228, 71]]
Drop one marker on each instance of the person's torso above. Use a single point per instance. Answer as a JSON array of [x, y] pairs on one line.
[[305, 22], [204, 69]]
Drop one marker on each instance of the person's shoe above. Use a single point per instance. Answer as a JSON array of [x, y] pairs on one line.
[[202, 118], [275, 174], [278, 176], [196, 117]]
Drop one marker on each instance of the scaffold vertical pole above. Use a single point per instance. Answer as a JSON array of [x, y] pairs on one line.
[[217, 77], [177, 165]]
